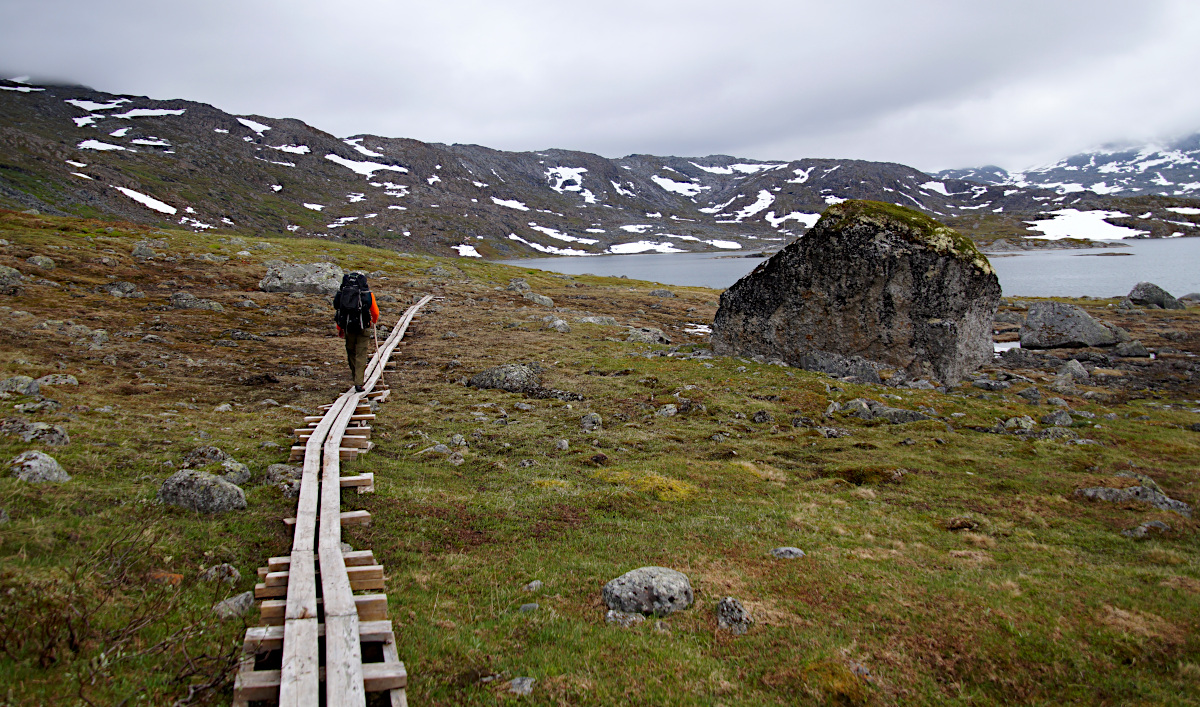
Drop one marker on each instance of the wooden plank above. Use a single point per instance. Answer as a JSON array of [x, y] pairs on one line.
[[388, 675], [354, 558], [391, 655], [344, 669], [346, 454], [366, 417], [264, 685], [261, 639], [371, 607], [265, 591], [362, 481], [356, 573], [299, 679], [348, 518]]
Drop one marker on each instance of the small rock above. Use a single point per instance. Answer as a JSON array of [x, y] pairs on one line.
[[1058, 418], [524, 407], [1024, 422], [37, 468], [223, 572], [58, 379], [733, 617], [234, 607], [436, 449], [762, 417], [562, 445], [41, 261], [668, 410], [457, 440], [1131, 349], [534, 586], [521, 686], [534, 297], [236, 473], [1074, 369], [986, 384], [787, 553], [1032, 395], [527, 608], [456, 458], [649, 590], [518, 284], [661, 293], [21, 385], [623, 619], [1154, 527], [202, 492], [591, 422], [203, 456], [1145, 494], [270, 402], [512, 377]]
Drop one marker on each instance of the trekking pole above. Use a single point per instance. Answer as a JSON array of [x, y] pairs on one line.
[[375, 331]]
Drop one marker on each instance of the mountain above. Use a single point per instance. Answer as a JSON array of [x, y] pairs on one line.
[[73, 150], [1164, 170]]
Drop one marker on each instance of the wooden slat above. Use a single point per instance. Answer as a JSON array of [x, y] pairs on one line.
[[364, 482], [398, 696], [260, 639], [354, 558], [299, 679], [348, 518], [365, 417], [262, 685], [371, 607]]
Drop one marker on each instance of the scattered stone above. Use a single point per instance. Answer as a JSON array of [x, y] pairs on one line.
[[668, 410], [1058, 418], [607, 321], [21, 385], [1131, 349], [1052, 325], [524, 407], [1145, 494], [41, 261], [649, 590], [120, 289], [1151, 296], [788, 553], [223, 407], [733, 617], [762, 417], [186, 300], [512, 377], [143, 250], [202, 492], [236, 473], [646, 335], [223, 572], [623, 619], [1141, 532], [46, 405], [534, 297], [313, 278], [1032, 395], [527, 608], [518, 284], [868, 409], [457, 440], [591, 422], [234, 607], [521, 686], [559, 325], [961, 523], [37, 468], [456, 459], [1024, 422], [436, 449], [562, 445], [661, 293], [58, 379], [203, 456], [987, 384], [857, 282], [1074, 369], [9, 277]]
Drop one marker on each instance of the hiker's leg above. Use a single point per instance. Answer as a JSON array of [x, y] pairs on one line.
[[360, 356]]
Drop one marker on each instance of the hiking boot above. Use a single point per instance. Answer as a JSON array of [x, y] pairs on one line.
[[359, 388]]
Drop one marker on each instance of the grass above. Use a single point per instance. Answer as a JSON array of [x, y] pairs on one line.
[[1037, 598]]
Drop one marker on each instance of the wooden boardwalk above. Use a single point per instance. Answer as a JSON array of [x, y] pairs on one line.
[[321, 631]]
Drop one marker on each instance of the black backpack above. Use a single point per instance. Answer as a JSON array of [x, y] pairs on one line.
[[352, 303]]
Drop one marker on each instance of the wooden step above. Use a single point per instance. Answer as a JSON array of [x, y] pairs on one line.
[[371, 607], [260, 639], [348, 518], [354, 558], [263, 685], [346, 454], [365, 483], [365, 417]]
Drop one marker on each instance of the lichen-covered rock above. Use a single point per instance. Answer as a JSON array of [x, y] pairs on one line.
[[513, 377], [868, 409], [591, 422], [199, 491], [646, 335], [1150, 295], [37, 468], [41, 261], [1145, 494], [203, 456], [313, 278], [58, 379], [223, 572], [733, 617], [186, 300], [875, 281], [234, 607], [21, 385], [1051, 325], [9, 277], [518, 284], [1131, 349], [649, 590], [538, 299]]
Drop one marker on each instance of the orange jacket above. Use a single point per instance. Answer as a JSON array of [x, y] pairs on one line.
[[374, 315]]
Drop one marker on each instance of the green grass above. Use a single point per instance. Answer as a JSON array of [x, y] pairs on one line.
[[1042, 602]]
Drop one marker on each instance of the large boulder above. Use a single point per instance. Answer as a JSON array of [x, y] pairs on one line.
[[649, 590], [37, 468], [870, 285], [198, 491], [1051, 325], [1148, 294], [314, 278], [513, 377]]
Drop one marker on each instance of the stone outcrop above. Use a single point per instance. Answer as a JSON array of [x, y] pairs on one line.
[[1052, 325], [314, 278], [871, 285], [1150, 295]]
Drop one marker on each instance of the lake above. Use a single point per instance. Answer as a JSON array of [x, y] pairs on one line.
[[1173, 264]]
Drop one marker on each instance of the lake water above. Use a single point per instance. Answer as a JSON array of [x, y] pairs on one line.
[[1173, 264]]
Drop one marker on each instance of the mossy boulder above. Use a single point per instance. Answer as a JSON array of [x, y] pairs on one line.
[[871, 286]]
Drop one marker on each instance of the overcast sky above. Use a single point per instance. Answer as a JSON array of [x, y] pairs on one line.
[[932, 84]]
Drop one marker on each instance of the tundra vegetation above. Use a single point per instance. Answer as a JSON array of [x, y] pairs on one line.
[[944, 563]]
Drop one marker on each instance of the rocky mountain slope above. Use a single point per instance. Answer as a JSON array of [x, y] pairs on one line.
[[70, 150], [1172, 169]]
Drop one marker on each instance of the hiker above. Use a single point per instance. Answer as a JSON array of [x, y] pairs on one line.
[[355, 312]]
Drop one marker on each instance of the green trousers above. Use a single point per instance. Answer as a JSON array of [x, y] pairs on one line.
[[356, 353]]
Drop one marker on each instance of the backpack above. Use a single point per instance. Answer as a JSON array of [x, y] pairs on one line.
[[352, 303]]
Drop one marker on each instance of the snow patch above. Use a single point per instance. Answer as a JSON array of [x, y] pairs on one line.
[[831, 199], [92, 106], [148, 113], [433, 180], [97, 145], [546, 248], [510, 203], [1073, 223], [564, 179], [364, 168], [80, 174], [1185, 210], [276, 187], [155, 142], [254, 125], [801, 175], [642, 247], [727, 245], [294, 149], [147, 201], [685, 188], [84, 121], [765, 199], [362, 150], [314, 207], [467, 251], [809, 220], [355, 197], [73, 163], [22, 89], [560, 235], [622, 192], [122, 132], [638, 228]]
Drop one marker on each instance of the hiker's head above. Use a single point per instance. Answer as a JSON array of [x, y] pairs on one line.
[[355, 279]]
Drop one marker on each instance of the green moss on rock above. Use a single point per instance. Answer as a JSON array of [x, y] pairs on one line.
[[910, 223]]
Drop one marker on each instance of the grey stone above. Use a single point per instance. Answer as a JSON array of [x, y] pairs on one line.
[[1074, 369], [534, 297], [1058, 325], [527, 608], [186, 300], [513, 377], [646, 335], [21, 385], [868, 409], [987, 384], [534, 586], [524, 407], [45, 405], [591, 422], [37, 468], [234, 607], [142, 250], [1058, 418], [223, 572], [44, 432], [1145, 530], [1147, 294], [668, 410], [313, 278], [559, 325], [1031, 394], [1145, 494], [58, 379], [437, 449], [4, 519], [203, 456], [787, 553], [41, 261], [661, 293], [733, 617], [518, 284], [457, 440], [762, 417], [202, 492], [606, 321], [649, 590], [623, 619], [1131, 349], [521, 686], [119, 289], [236, 473], [562, 445], [283, 473], [456, 458], [1024, 422], [885, 283], [9, 277]]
